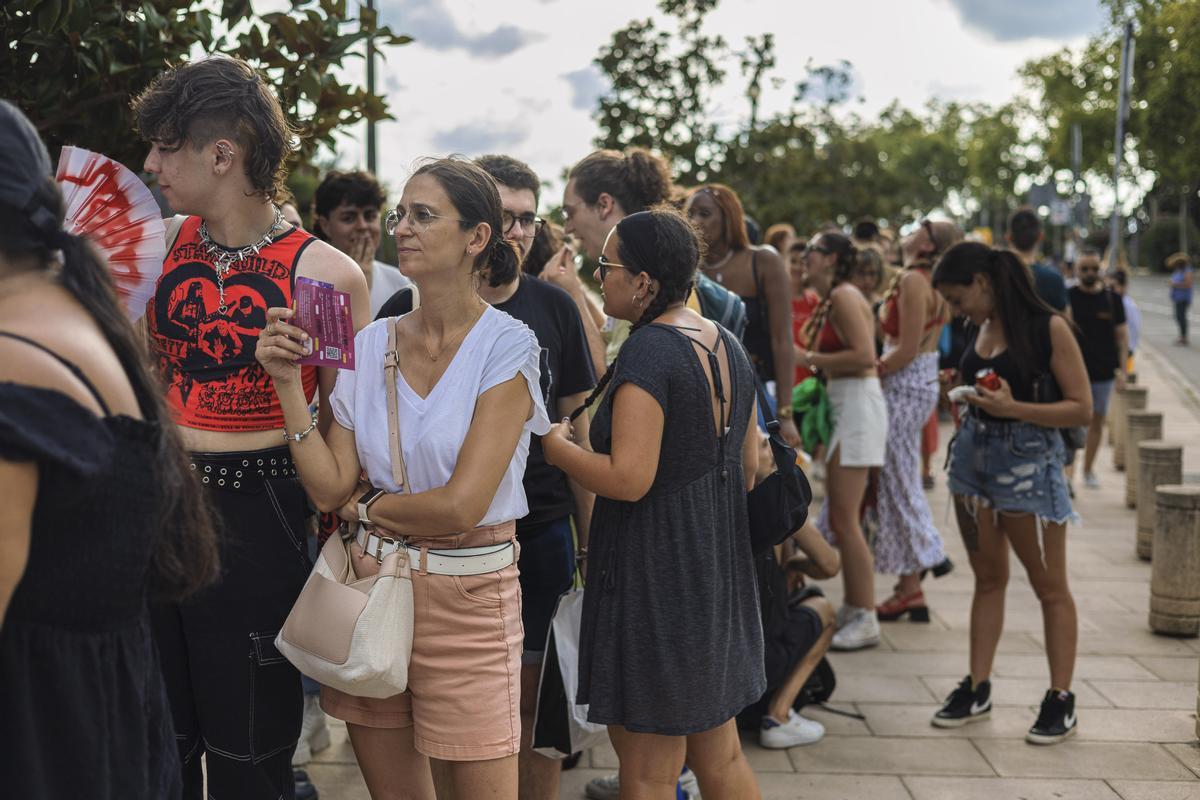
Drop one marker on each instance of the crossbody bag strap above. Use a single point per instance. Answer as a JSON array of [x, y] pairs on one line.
[[391, 375]]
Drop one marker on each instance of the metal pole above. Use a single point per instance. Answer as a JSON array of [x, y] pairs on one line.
[[371, 163], [1076, 165], [1119, 145]]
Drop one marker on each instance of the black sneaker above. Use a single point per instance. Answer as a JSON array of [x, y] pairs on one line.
[[1056, 721], [965, 704], [304, 788]]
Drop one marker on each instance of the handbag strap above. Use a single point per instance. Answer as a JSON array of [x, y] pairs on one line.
[[391, 374]]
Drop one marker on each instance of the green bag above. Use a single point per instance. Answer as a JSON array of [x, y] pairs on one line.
[[810, 407]]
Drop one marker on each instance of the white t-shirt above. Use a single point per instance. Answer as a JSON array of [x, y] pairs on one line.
[[432, 429], [386, 280]]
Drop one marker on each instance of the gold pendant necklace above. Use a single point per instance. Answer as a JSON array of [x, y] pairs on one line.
[[434, 357]]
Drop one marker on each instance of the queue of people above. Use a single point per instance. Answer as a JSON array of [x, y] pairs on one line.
[[505, 430]]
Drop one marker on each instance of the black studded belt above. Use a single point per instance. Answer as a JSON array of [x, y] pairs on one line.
[[242, 472]]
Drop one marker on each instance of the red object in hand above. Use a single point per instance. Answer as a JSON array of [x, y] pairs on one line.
[[988, 379]]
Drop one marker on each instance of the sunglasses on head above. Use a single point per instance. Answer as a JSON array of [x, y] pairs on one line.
[[928, 226], [816, 248]]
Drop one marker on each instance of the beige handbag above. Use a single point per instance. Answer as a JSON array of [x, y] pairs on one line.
[[355, 634]]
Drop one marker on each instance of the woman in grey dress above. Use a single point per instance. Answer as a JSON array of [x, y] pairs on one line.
[[671, 645]]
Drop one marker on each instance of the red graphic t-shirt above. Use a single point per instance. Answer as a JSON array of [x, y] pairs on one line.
[[206, 356]]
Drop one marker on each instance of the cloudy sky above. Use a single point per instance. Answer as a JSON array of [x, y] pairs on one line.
[[516, 76]]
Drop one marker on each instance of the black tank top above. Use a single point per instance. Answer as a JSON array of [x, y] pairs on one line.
[[1005, 366], [757, 338]]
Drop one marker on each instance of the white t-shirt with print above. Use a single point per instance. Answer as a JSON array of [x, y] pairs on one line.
[[432, 429]]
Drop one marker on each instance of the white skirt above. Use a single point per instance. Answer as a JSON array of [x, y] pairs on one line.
[[860, 421]]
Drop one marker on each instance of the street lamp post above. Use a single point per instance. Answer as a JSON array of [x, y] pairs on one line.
[[1119, 146], [371, 165]]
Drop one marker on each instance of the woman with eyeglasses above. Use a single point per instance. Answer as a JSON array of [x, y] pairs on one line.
[[841, 346], [912, 314], [1006, 470], [468, 397], [671, 646], [757, 275]]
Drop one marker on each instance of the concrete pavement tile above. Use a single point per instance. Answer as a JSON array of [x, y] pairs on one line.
[[912, 721], [897, 663], [1023, 618], [1139, 642], [338, 781], [1156, 790], [1008, 665], [1121, 572], [880, 756], [1022, 691], [1141, 694], [1184, 668], [1080, 759], [881, 689], [1188, 753], [928, 788], [923, 639], [838, 724], [1136, 725], [831, 787]]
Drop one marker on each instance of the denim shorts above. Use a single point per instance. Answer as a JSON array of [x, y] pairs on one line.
[[1101, 393], [1012, 467]]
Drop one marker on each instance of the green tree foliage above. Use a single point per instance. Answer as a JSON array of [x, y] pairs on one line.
[[73, 65]]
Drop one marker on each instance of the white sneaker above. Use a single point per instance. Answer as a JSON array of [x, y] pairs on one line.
[[1090, 480], [795, 732], [609, 787], [860, 630], [314, 733]]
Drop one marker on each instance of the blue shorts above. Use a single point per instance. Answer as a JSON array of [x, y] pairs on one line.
[[1013, 467], [1101, 393], [547, 568]]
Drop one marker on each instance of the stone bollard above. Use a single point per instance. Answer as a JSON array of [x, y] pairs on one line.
[[1175, 573], [1159, 463], [1140, 426], [1133, 398]]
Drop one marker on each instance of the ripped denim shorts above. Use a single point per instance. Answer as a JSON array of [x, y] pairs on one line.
[[1012, 467]]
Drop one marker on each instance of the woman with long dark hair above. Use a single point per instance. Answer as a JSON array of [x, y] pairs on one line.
[[99, 512], [841, 346], [757, 275], [1006, 469], [671, 646], [910, 318]]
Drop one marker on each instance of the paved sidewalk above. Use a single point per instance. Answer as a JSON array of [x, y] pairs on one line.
[[1136, 692]]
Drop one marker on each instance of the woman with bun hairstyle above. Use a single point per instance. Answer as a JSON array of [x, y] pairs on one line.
[[841, 346], [469, 397], [671, 646], [911, 317], [99, 512], [1006, 469], [757, 275]]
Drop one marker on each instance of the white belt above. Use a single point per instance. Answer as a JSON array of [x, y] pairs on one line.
[[462, 561]]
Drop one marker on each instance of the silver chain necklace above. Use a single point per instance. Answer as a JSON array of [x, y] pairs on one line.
[[223, 259], [717, 267]]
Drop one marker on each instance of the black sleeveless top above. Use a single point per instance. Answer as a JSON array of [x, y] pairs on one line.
[[85, 710], [1020, 382], [757, 338]]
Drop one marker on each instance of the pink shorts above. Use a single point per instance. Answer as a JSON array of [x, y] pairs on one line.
[[464, 678]]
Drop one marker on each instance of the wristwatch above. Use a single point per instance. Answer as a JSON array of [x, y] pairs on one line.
[[364, 503], [785, 412]]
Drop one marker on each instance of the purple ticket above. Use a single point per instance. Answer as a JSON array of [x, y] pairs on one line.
[[324, 314]]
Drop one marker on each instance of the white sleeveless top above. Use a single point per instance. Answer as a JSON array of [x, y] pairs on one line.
[[432, 429]]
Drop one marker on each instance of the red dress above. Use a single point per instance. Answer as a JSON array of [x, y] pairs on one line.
[[802, 311]]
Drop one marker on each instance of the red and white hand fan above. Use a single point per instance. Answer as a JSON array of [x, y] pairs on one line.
[[108, 203]]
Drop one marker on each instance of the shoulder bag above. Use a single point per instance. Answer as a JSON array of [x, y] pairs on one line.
[[1047, 390], [778, 506], [355, 634]]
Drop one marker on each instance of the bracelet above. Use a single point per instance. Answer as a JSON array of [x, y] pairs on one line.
[[785, 412], [581, 554], [297, 437], [808, 359]]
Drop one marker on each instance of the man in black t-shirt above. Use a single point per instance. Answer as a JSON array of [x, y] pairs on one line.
[[548, 554], [1100, 315]]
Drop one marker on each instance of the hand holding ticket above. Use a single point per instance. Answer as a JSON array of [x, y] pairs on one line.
[[324, 314]]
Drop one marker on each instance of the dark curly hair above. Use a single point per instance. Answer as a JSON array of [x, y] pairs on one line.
[[663, 244], [201, 101], [476, 199], [358, 188]]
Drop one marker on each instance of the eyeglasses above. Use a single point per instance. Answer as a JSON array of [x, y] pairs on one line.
[[816, 248], [530, 223], [419, 219], [928, 226], [606, 265]]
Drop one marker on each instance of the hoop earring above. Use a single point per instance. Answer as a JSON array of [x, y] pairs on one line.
[[638, 302]]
